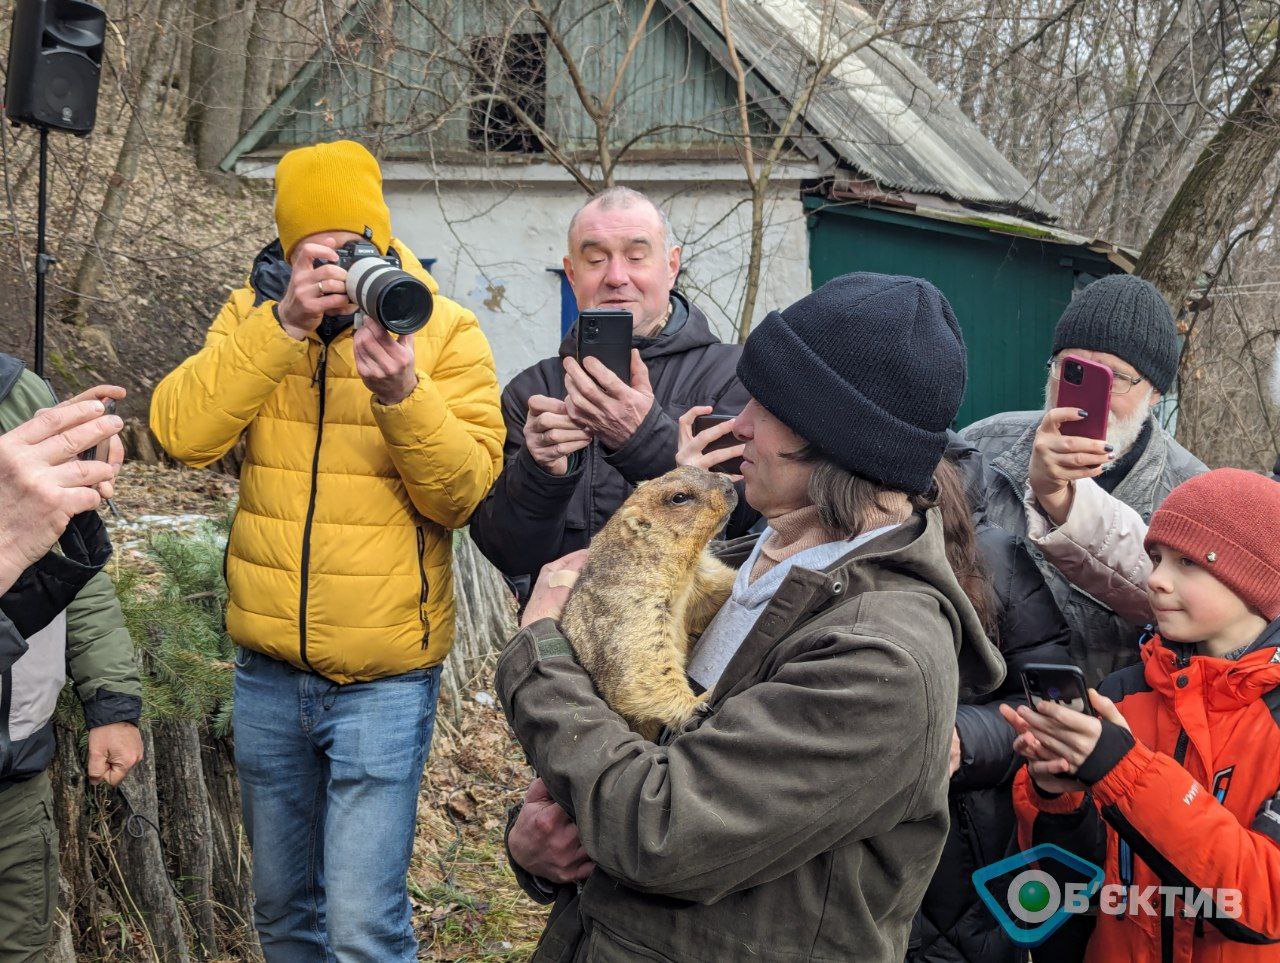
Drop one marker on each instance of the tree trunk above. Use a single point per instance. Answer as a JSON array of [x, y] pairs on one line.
[[79, 889], [262, 51], [232, 882], [62, 948], [382, 17], [120, 184], [201, 63], [219, 125], [143, 877], [754, 257], [1225, 174], [181, 81], [484, 617], [186, 826]]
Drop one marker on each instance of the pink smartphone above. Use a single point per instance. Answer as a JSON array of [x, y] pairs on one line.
[[1085, 385]]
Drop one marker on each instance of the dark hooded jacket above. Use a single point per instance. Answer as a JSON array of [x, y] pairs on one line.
[[800, 816], [953, 925], [533, 517]]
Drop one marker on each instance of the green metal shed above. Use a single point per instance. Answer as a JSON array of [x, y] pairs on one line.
[[1008, 281]]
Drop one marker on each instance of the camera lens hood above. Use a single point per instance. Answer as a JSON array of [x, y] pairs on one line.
[[395, 299]]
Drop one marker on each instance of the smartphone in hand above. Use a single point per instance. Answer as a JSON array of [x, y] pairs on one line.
[[100, 451], [701, 423], [606, 335], [1063, 684], [1085, 385]]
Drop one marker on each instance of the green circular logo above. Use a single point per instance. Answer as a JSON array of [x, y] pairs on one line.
[[1033, 896]]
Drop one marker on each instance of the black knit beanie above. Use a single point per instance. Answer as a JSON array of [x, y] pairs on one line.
[[870, 369], [1124, 316]]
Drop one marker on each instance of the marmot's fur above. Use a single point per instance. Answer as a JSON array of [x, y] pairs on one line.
[[649, 585]]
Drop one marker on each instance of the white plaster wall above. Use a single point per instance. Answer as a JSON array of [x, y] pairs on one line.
[[495, 241]]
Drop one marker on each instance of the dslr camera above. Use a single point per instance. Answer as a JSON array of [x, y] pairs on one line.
[[381, 290]]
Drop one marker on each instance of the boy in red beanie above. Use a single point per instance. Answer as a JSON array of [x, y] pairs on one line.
[[1174, 787]]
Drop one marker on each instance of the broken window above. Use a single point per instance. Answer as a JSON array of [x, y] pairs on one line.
[[509, 76]]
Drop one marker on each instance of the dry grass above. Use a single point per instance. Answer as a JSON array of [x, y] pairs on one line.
[[467, 905]]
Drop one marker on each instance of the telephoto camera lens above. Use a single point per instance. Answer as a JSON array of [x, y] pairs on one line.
[[396, 300]]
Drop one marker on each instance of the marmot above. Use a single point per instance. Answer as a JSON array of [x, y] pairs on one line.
[[649, 585]]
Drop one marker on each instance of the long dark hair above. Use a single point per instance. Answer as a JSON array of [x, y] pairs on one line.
[[845, 501]]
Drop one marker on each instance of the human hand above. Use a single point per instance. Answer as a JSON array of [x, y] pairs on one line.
[[603, 404], [692, 449], [46, 482], [1057, 740], [956, 752], [551, 435], [313, 291], [1047, 771], [384, 363], [1058, 460], [114, 749], [552, 589], [115, 447], [545, 841]]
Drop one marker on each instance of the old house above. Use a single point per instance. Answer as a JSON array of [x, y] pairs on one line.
[[490, 121]]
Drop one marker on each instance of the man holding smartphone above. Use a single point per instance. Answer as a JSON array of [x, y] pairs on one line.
[[59, 617], [579, 437], [1042, 475]]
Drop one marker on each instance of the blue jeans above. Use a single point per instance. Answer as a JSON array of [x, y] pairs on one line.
[[329, 780]]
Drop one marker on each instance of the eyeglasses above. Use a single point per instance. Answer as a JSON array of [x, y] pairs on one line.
[[1121, 384]]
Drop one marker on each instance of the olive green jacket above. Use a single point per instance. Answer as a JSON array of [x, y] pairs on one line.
[[802, 816], [88, 642]]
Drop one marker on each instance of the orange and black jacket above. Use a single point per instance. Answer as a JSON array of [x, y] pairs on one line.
[[1190, 800]]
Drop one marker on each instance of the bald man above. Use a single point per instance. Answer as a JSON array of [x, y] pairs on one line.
[[579, 440]]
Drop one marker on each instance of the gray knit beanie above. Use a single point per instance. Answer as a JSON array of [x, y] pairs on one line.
[[1124, 316]]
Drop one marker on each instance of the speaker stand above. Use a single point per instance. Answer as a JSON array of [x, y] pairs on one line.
[[44, 260]]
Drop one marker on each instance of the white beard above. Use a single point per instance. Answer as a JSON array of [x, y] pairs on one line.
[[1121, 433]]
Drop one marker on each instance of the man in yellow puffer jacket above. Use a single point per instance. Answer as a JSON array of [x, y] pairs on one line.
[[363, 452]]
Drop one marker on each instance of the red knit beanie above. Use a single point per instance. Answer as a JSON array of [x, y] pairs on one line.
[[1227, 521]]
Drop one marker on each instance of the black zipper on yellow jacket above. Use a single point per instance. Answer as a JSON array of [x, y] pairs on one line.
[[318, 378], [422, 589]]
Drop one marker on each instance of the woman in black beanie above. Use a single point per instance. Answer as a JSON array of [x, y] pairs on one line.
[[801, 814]]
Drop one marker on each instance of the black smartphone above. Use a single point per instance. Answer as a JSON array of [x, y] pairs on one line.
[[606, 336], [701, 423], [99, 451], [1063, 684]]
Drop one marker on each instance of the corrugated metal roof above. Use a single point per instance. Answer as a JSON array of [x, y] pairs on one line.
[[878, 111]]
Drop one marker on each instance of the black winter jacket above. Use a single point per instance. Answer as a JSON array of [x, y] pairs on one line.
[[953, 925], [533, 517]]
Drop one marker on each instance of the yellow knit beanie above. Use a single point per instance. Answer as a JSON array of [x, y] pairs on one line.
[[330, 187]]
